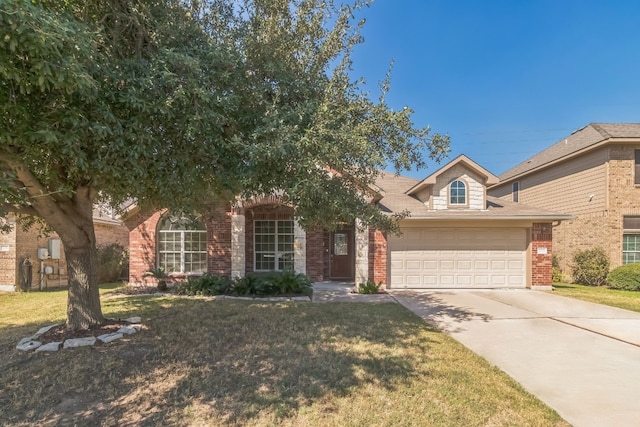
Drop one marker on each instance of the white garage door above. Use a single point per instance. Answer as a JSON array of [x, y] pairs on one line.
[[458, 258]]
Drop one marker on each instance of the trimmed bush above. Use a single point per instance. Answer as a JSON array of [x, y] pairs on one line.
[[625, 277], [590, 267], [370, 287], [205, 285], [288, 282], [252, 285], [285, 282], [556, 272], [111, 260]]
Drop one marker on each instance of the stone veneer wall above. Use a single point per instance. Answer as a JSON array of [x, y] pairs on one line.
[[362, 254]]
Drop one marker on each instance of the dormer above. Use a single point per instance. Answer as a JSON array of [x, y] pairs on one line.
[[459, 185]]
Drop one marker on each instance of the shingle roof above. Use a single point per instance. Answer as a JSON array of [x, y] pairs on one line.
[[578, 140], [395, 200]]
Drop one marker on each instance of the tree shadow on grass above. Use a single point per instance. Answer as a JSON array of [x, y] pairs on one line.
[[224, 362]]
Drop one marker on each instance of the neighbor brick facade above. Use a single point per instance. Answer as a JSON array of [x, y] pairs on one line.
[[596, 187], [19, 244]]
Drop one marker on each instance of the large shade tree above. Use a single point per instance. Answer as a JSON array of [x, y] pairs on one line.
[[178, 103]]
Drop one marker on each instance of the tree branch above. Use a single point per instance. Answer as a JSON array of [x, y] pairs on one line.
[[22, 210]]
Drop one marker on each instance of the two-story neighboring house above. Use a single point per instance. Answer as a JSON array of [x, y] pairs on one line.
[[454, 237], [593, 175]]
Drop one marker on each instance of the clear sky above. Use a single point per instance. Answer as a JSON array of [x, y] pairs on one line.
[[505, 78]]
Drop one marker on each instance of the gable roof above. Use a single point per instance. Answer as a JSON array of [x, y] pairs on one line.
[[582, 139], [397, 198], [461, 159]]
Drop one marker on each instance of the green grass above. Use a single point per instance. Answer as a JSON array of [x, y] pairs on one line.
[[628, 300], [237, 363]]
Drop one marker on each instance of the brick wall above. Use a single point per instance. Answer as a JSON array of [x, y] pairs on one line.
[[107, 234], [541, 254], [377, 256], [316, 254], [142, 245], [603, 227], [219, 242], [624, 198]]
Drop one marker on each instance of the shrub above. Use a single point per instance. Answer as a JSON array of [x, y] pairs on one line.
[[625, 277], [556, 272], [252, 285], [111, 260], [288, 282], [370, 287], [205, 285], [590, 267]]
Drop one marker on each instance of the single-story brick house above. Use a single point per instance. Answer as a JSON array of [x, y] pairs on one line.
[[455, 237]]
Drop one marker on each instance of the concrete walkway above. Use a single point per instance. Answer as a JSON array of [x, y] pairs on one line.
[[582, 359], [344, 292]]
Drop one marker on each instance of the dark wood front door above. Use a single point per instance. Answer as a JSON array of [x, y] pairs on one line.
[[342, 254]]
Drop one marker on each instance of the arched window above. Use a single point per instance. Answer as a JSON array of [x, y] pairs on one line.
[[182, 245], [458, 193]]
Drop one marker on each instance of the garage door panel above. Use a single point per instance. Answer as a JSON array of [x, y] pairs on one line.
[[458, 258], [465, 264]]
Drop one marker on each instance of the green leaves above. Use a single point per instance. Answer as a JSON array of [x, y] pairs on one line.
[[178, 104]]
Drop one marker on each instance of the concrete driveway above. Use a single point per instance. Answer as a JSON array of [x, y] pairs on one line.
[[580, 358]]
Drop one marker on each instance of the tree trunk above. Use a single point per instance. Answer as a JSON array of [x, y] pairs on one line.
[[83, 304]]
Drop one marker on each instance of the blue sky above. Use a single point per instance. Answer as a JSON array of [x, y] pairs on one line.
[[505, 78]]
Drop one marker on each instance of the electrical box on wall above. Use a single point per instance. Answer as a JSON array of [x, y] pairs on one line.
[[54, 248], [43, 253]]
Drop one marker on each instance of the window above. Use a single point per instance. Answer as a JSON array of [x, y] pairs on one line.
[[273, 243], [636, 179], [630, 248], [631, 240], [458, 193], [182, 245], [515, 191]]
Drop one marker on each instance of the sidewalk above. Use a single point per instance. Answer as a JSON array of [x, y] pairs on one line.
[[344, 292]]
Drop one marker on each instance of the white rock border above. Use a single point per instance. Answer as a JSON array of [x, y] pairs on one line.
[[32, 343]]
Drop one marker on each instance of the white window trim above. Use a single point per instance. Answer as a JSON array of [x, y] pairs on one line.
[[466, 194], [182, 251], [276, 253]]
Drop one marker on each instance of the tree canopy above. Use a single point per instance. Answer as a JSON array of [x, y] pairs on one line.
[[179, 103]]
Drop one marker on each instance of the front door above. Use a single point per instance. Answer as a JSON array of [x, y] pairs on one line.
[[342, 254]]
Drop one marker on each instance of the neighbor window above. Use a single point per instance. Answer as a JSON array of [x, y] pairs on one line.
[[182, 245], [515, 191], [630, 248], [458, 193], [631, 240], [273, 243], [636, 179]]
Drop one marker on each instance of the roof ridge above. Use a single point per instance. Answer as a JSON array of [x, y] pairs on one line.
[[600, 130]]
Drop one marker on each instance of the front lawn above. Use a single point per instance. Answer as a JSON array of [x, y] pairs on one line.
[[231, 362], [628, 300]]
